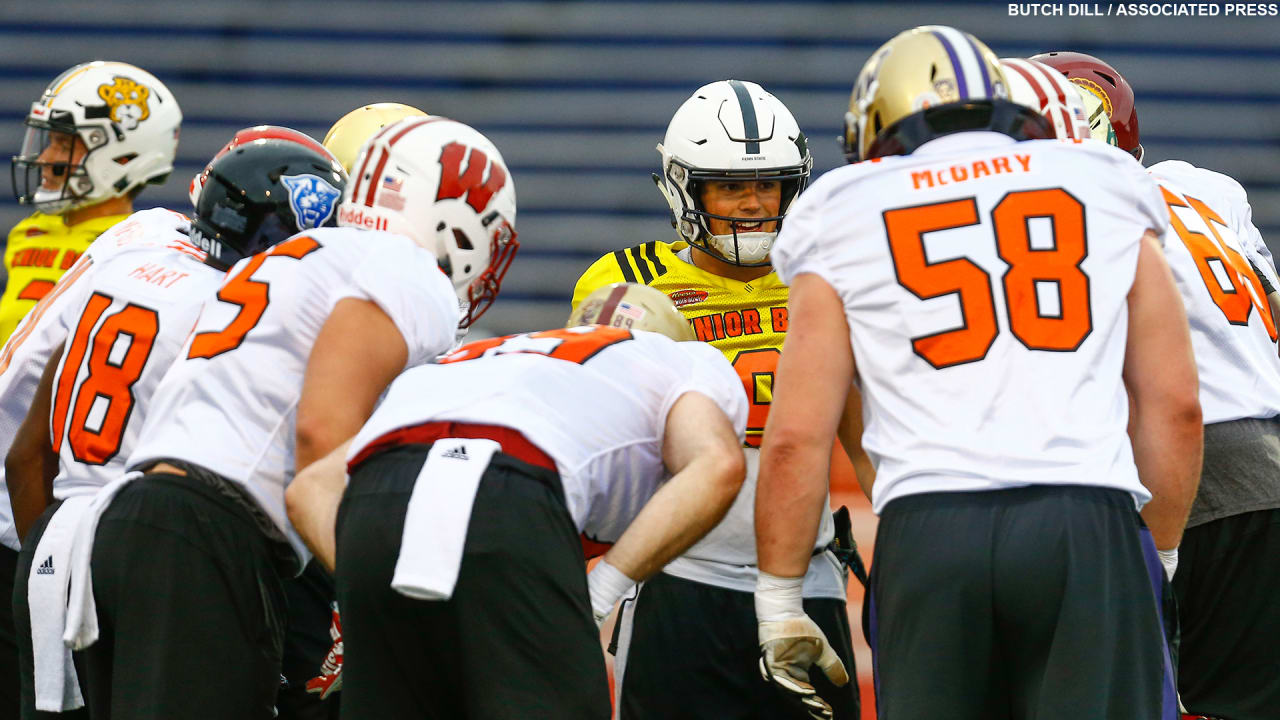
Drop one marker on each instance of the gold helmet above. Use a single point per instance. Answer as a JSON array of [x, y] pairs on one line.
[[930, 81], [634, 307], [349, 134]]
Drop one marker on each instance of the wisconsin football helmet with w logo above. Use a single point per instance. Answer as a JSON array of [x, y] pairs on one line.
[[445, 186], [928, 82], [728, 131], [123, 123], [1049, 92]]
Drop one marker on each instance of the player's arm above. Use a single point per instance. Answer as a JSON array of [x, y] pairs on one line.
[[704, 454], [850, 433], [791, 491], [312, 499], [357, 354], [1165, 425], [31, 464]]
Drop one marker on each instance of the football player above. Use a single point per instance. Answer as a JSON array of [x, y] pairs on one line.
[[733, 162], [1224, 572], [285, 362], [99, 133], [122, 314], [459, 563], [352, 130], [1006, 310]]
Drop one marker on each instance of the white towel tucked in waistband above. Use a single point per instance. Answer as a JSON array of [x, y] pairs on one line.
[[435, 525], [57, 687], [82, 612]]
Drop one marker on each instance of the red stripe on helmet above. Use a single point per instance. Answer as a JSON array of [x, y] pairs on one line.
[[1040, 96], [386, 153], [610, 304]]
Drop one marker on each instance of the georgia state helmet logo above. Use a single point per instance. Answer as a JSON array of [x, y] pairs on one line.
[[311, 198]]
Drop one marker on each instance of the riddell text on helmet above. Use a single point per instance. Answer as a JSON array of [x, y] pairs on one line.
[[357, 217]]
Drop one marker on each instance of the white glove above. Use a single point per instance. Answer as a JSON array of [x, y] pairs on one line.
[[790, 642], [1169, 559], [607, 585]]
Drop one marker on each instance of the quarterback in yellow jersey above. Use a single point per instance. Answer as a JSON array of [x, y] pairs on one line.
[[733, 160], [97, 135]]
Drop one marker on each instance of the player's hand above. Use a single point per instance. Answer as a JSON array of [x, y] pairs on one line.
[[787, 650], [330, 679]]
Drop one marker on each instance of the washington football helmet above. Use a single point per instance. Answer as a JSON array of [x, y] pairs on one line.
[[1047, 91], [257, 132], [634, 307], [927, 82], [128, 122], [445, 186], [352, 130], [1108, 87], [731, 130], [262, 192]]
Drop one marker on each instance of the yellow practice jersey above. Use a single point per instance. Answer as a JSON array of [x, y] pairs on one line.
[[744, 320], [42, 248]]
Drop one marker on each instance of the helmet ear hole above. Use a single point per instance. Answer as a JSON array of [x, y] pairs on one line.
[[464, 243]]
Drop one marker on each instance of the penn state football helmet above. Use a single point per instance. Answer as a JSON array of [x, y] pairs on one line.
[[634, 307], [262, 192], [257, 132], [927, 82], [127, 122], [352, 130], [1047, 91], [731, 130], [445, 186], [1108, 87]]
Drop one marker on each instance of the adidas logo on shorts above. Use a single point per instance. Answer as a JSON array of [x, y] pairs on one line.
[[46, 567], [458, 453]]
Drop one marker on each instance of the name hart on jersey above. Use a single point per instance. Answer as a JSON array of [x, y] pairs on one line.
[[941, 177], [734, 323], [44, 257], [157, 274]]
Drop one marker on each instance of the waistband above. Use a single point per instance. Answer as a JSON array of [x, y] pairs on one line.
[[512, 441], [232, 496]]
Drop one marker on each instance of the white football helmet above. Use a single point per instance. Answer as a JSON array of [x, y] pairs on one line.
[[731, 130], [1050, 93], [444, 185], [126, 118]]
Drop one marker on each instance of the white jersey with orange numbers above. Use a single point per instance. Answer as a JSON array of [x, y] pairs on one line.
[[985, 285], [1216, 253], [29, 348], [229, 403], [130, 322], [593, 398]]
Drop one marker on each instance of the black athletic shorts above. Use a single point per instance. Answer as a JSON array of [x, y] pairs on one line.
[[307, 642], [1029, 602], [516, 640], [190, 605], [693, 652], [9, 702], [1228, 586]]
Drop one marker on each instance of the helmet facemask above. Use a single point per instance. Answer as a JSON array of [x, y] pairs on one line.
[[28, 168], [745, 249], [483, 290]]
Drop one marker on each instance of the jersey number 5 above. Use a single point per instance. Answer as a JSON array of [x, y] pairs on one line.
[[109, 379], [251, 295], [1031, 270]]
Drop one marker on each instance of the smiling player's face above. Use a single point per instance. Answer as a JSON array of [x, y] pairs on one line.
[[743, 199]]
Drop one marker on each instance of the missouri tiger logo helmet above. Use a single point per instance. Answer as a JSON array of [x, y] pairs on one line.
[[99, 130], [927, 82]]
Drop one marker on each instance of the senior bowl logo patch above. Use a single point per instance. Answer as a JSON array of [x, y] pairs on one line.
[[688, 297], [126, 101], [311, 198]]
